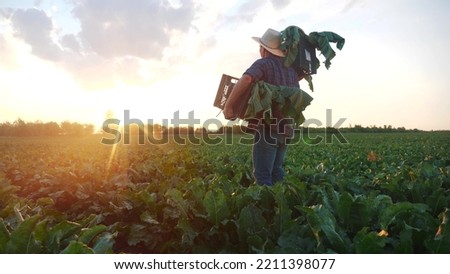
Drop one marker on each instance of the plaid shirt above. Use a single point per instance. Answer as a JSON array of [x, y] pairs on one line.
[[272, 70]]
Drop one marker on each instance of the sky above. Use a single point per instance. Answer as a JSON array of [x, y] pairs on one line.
[[78, 60]]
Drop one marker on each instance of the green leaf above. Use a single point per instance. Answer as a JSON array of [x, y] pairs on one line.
[[77, 248], [188, 232], [148, 198], [215, 203], [427, 170], [22, 238], [250, 223], [59, 232], [256, 243], [345, 206], [282, 211], [40, 232], [175, 197], [381, 202], [147, 217], [329, 196], [405, 244], [437, 200], [296, 238], [45, 201], [390, 214], [309, 79], [254, 192], [196, 189], [104, 244], [369, 242], [88, 234], [137, 234], [441, 242], [4, 236], [322, 222], [267, 202], [361, 214]]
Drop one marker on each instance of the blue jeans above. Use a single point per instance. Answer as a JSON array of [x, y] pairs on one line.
[[269, 150]]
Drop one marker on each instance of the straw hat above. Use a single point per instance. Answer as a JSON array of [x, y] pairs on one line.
[[270, 41]]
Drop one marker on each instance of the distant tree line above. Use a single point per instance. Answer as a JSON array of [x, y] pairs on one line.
[[357, 128], [375, 129], [66, 128], [38, 128], [133, 129]]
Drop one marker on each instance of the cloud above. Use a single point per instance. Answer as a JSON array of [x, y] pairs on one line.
[[35, 28], [350, 5], [7, 54], [139, 28], [6, 12], [246, 11], [70, 42], [280, 4], [114, 39]]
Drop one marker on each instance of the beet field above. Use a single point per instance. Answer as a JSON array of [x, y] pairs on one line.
[[379, 193]]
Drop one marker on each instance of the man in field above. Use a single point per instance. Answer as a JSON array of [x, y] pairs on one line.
[[269, 148]]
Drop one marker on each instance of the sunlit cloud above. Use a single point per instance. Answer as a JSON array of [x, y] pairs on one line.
[[111, 35]]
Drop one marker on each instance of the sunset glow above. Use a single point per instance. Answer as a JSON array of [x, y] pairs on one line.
[[76, 60]]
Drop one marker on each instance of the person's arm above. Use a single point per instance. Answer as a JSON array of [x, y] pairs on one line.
[[236, 95]]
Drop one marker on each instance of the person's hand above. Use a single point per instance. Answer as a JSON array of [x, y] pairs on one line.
[[289, 131], [229, 113]]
